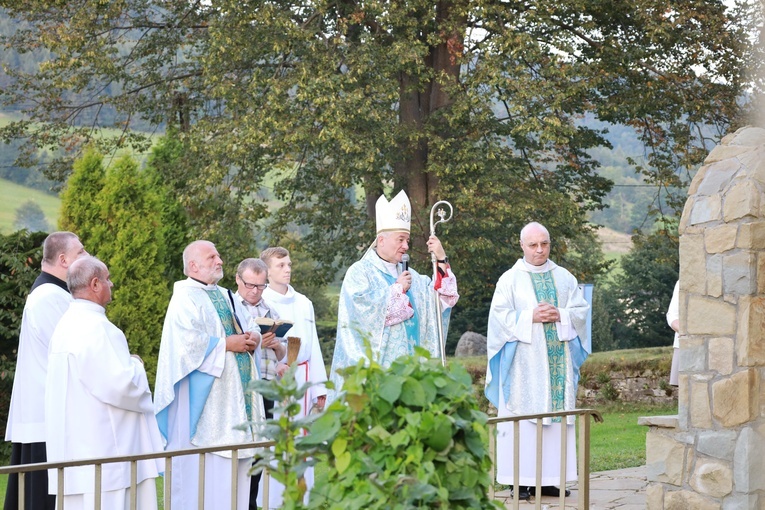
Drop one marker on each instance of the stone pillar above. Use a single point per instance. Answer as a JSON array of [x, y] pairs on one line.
[[712, 455]]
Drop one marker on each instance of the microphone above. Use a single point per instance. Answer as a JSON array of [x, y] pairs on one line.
[[405, 261]]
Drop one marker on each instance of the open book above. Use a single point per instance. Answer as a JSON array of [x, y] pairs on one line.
[[279, 327]]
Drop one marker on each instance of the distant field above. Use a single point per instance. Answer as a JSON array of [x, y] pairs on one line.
[[13, 195]]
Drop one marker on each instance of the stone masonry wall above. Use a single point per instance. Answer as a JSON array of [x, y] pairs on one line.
[[712, 454]]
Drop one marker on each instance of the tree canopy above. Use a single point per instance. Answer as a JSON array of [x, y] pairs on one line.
[[328, 103]]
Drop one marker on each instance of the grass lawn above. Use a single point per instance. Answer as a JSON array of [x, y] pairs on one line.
[[13, 195], [619, 442]]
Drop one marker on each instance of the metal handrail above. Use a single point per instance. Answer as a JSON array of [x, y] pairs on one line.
[[21, 469], [583, 415]]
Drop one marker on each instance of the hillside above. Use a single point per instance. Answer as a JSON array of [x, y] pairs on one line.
[[13, 195], [616, 243]]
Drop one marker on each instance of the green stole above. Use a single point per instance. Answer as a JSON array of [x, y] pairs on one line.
[[544, 288], [243, 360]]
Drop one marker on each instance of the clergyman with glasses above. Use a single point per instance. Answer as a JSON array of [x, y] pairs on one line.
[[251, 277]]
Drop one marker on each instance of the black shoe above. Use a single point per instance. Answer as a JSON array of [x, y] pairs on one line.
[[548, 490], [523, 493]]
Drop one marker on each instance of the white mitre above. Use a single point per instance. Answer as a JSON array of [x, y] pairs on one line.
[[393, 216]]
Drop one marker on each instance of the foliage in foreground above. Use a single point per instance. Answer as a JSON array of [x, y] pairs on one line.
[[410, 436]]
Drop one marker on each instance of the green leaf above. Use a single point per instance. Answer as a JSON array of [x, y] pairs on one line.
[[412, 393], [342, 462], [338, 446], [390, 389]]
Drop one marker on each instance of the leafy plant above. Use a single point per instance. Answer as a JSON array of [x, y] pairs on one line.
[[288, 460], [410, 436], [609, 392]]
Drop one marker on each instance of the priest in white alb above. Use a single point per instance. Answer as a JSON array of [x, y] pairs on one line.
[[47, 301], [537, 341], [294, 306], [98, 401], [390, 306], [208, 355]]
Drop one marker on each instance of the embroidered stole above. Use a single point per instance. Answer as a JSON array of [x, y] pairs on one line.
[[243, 360], [544, 288], [411, 325]]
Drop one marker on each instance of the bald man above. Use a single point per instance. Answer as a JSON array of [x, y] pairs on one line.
[[208, 355]]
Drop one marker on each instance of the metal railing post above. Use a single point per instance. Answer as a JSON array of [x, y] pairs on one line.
[[133, 485], [201, 483], [493, 455], [97, 494], [234, 477]]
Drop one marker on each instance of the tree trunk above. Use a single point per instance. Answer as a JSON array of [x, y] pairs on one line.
[[417, 102]]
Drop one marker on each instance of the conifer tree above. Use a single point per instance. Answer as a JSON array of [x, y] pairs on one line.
[[132, 244], [78, 213]]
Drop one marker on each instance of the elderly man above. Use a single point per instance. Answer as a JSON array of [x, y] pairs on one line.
[[389, 305], [48, 299], [207, 357], [97, 400], [537, 340]]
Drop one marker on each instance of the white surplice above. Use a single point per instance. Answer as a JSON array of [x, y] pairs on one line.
[[199, 398], [26, 416], [97, 404], [517, 375], [296, 307]]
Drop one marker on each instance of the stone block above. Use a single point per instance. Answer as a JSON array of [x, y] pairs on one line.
[[706, 209], [751, 236], [761, 273], [700, 409], [693, 267], [664, 458], [712, 477], [734, 399], [693, 354], [721, 355], [717, 176], [682, 227], [715, 275], [739, 274], [749, 460], [747, 136], [754, 162], [742, 502], [687, 500], [723, 152], [750, 336], [683, 400], [720, 238], [710, 317], [719, 444], [741, 200], [752, 158], [654, 496]]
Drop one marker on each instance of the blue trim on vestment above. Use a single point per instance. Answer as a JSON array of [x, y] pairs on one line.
[[578, 355], [199, 388], [499, 366]]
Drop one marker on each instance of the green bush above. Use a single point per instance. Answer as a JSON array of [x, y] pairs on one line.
[[410, 436]]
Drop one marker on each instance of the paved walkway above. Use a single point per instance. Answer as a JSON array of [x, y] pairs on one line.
[[621, 489]]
